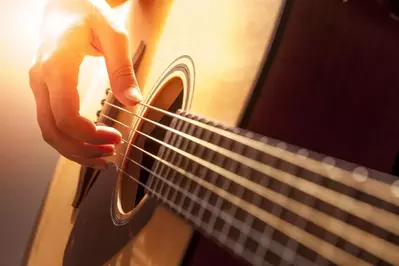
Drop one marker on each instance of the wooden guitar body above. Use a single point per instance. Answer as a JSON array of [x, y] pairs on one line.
[[262, 65], [212, 51]]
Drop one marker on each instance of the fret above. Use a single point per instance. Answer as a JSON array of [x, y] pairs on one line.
[[169, 138], [175, 159], [270, 210], [276, 210], [227, 231], [384, 235], [237, 224], [254, 247], [290, 250], [310, 201], [169, 156], [341, 215], [153, 182], [229, 218], [367, 256], [329, 163], [234, 210], [183, 163], [207, 135], [169, 193], [217, 179], [190, 166], [377, 186], [247, 172], [212, 177]]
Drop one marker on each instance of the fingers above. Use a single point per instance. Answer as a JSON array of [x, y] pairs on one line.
[[64, 104], [55, 74], [83, 153], [113, 42]]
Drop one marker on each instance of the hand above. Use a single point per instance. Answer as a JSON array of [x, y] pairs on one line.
[[72, 29]]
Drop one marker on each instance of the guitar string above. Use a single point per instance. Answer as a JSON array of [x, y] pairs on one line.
[[223, 192], [353, 234], [276, 247], [312, 242], [372, 186], [201, 142], [248, 162], [336, 199], [254, 164]]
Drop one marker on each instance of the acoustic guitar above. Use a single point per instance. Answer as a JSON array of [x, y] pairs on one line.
[[267, 136]]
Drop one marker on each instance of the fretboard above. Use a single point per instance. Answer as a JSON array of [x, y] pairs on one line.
[[272, 203]]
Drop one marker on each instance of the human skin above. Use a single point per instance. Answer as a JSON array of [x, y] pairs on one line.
[[70, 30]]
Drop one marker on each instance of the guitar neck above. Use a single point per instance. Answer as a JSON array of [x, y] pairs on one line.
[[270, 202]]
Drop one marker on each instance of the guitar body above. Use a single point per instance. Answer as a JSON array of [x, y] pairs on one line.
[[237, 62], [221, 45]]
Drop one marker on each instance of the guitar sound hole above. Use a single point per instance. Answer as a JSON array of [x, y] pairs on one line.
[[169, 98], [153, 147]]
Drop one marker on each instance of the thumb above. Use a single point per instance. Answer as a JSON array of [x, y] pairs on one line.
[[113, 42]]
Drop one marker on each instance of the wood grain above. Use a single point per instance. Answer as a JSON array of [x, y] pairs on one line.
[[227, 41]]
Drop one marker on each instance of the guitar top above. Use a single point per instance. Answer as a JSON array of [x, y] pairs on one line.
[[267, 136]]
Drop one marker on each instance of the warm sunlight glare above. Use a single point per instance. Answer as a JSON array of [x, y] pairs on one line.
[[20, 21]]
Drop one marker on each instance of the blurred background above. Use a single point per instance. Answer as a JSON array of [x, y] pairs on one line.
[[26, 161]]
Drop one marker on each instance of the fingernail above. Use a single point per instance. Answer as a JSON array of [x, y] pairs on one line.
[[134, 94]]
